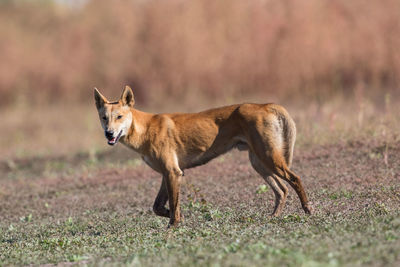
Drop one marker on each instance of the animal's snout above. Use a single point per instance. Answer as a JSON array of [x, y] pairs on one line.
[[109, 134]]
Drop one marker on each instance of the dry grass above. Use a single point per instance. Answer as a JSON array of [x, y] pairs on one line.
[[177, 49], [64, 130], [49, 130]]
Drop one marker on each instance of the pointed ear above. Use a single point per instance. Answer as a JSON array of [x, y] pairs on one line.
[[127, 97], [99, 98]]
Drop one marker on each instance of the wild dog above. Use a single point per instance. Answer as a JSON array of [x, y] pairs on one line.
[[170, 143]]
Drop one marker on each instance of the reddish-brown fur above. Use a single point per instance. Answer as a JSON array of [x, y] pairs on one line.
[[170, 143]]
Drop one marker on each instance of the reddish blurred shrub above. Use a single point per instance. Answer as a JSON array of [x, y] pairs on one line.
[[54, 52]]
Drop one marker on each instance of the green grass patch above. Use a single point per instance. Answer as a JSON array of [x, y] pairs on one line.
[[210, 236]]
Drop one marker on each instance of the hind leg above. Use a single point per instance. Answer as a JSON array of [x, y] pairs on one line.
[[280, 195], [297, 185], [280, 169], [274, 161], [283, 187]]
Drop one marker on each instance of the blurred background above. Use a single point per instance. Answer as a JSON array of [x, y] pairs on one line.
[[335, 64]]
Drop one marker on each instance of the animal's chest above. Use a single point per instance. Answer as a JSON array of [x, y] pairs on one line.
[[150, 162]]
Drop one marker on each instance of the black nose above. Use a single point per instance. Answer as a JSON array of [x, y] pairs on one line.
[[109, 134]]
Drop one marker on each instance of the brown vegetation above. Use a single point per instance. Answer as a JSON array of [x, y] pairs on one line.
[[206, 48]]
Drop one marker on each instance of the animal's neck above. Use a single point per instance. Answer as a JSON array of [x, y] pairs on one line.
[[137, 132]]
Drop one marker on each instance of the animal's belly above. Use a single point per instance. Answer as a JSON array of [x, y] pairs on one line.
[[191, 161], [197, 159]]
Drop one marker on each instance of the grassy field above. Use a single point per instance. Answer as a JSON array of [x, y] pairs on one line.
[[94, 207], [67, 198]]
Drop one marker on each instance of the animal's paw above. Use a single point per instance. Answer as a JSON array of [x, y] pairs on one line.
[[308, 208], [175, 223]]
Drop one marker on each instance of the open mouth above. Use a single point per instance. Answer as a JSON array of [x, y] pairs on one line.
[[114, 140]]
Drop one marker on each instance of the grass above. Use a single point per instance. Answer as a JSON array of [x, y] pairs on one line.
[[212, 236], [93, 207], [101, 215], [66, 199]]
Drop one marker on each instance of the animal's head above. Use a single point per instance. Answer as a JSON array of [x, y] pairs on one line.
[[115, 117]]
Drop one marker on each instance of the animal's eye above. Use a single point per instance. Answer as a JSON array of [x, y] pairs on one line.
[[104, 118], [119, 117]]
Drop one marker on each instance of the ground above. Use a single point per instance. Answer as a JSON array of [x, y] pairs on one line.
[[95, 208]]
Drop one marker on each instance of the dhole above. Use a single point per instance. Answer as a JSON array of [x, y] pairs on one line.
[[170, 143]]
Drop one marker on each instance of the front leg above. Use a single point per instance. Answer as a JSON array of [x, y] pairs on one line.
[[172, 180], [167, 164], [161, 200]]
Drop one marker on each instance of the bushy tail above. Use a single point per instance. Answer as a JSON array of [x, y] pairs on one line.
[[289, 137]]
